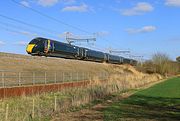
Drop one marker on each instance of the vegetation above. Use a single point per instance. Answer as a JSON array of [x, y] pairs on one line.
[[160, 102], [145, 104], [162, 64], [178, 59], [46, 106]]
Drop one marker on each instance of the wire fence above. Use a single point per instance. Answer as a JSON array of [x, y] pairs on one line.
[[11, 79]]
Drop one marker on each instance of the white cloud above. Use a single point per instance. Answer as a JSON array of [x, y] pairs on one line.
[[173, 3], [145, 29], [81, 8], [21, 43], [2, 43], [47, 3], [139, 9], [25, 3]]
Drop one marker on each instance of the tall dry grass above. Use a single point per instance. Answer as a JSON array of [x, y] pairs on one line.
[[46, 106]]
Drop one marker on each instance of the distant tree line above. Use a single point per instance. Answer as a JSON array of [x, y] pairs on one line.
[[162, 64]]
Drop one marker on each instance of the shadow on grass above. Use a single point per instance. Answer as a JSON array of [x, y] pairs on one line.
[[140, 107]]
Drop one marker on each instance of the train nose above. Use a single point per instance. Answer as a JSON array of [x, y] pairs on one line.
[[29, 48]]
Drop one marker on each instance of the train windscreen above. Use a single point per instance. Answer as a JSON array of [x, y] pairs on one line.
[[34, 41]]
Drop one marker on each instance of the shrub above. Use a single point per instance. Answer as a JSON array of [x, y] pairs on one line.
[[160, 63], [178, 59]]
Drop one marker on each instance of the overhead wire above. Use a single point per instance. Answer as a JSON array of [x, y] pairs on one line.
[[52, 18], [12, 30], [24, 30], [57, 20], [27, 24]]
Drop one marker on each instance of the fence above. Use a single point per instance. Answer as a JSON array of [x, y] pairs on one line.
[[10, 78]]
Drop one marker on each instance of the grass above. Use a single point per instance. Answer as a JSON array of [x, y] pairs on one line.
[[159, 102], [74, 99], [122, 77]]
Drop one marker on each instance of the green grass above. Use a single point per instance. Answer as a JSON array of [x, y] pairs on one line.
[[159, 102]]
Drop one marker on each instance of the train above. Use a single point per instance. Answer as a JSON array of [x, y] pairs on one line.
[[51, 48]]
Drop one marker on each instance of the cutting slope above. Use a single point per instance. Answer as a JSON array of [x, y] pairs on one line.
[[15, 62], [25, 63]]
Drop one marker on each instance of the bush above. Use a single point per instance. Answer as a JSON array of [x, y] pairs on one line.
[[178, 59], [162, 64]]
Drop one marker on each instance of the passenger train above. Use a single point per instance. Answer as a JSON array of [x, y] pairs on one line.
[[51, 48]]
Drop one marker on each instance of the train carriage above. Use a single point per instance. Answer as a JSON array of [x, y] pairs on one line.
[[46, 47], [95, 55]]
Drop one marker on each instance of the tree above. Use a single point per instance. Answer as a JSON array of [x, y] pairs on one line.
[[161, 62], [178, 59]]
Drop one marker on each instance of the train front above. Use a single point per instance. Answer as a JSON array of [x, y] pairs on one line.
[[38, 46], [30, 46]]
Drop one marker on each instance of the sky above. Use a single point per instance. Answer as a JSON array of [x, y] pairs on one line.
[[144, 27]]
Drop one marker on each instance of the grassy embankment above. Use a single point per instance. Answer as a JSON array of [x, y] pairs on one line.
[[46, 106], [159, 102]]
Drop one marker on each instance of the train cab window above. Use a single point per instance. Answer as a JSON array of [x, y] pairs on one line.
[[34, 41]]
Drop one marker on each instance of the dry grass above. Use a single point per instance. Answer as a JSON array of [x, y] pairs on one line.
[[13, 62], [69, 99], [122, 77]]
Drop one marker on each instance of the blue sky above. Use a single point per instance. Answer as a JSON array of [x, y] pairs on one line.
[[144, 27]]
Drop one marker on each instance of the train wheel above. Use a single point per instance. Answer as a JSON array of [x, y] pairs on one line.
[[40, 53]]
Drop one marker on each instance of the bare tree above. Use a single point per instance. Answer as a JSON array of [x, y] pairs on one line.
[[162, 63]]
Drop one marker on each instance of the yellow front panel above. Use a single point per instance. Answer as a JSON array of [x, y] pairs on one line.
[[29, 48]]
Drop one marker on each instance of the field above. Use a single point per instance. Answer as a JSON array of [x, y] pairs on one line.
[[76, 103], [160, 102]]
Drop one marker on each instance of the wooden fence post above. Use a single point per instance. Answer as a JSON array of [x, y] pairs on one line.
[[45, 78], [55, 77], [33, 78], [71, 77], [2, 79], [63, 76], [19, 80], [33, 109], [55, 103], [77, 76], [7, 111]]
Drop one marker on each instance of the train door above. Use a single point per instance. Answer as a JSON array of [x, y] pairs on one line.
[[52, 46], [120, 59], [107, 57], [81, 53], [47, 46], [85, 52]]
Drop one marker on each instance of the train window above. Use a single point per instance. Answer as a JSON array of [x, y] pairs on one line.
[[34, 41]]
